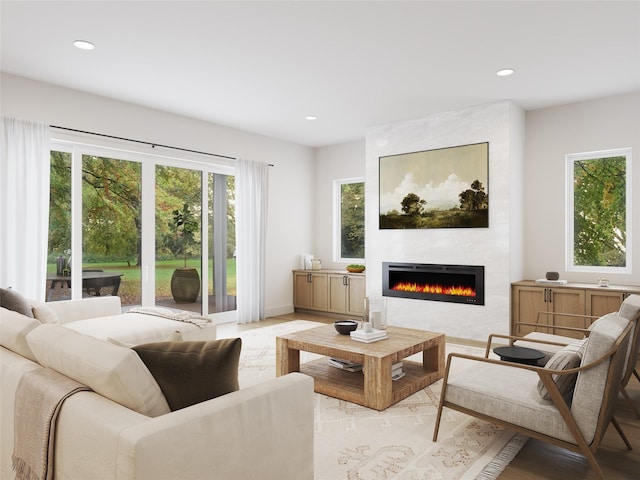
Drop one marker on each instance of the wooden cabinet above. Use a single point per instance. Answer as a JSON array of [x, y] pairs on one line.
[[537, 304], [346, 294], [329, 291], [601, 302], [310, 290], [529, 299]]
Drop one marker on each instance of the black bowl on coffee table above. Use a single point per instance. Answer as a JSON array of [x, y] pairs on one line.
[[345, 327]]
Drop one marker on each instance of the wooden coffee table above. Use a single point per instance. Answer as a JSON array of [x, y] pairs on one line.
[[374, 387]]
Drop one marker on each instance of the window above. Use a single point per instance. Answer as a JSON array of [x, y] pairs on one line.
[[349, 220], [599, 211]]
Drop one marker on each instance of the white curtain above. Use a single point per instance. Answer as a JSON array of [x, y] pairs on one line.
[[24, 206], [252, 187]]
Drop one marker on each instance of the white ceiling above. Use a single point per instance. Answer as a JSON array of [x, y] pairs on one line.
[[263, 66]]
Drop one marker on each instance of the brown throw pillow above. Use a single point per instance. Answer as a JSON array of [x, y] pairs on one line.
[[193, 372], [12, 300]]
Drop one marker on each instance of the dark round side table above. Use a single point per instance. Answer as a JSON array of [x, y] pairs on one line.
[[528, 356]]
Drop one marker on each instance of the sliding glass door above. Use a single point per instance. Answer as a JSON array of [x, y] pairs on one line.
[[222, 243], [155, 232], [111, 228], [178, 233]]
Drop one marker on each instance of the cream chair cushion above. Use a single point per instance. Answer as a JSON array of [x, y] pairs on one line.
[[112, 371]]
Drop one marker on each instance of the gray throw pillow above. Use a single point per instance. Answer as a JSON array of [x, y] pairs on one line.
[[12, 300], [564, 359], [193, 372]]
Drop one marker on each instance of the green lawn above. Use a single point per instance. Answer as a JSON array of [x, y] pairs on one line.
[[130, 286]]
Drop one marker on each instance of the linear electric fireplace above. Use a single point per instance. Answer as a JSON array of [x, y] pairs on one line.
[[428, 281]]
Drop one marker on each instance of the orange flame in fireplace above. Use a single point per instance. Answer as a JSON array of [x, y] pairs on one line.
[[439, 289]]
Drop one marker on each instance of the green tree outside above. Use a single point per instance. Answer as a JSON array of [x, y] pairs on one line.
[[600, 212], [352, 220]]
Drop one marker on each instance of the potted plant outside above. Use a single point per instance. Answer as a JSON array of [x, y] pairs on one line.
[[185, 282]]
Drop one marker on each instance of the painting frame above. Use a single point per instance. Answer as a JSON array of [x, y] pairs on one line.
[[444, 187]]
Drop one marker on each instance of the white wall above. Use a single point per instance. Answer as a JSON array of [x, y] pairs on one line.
[[290, 179], [551, 133], [500, 124], [336, 162]]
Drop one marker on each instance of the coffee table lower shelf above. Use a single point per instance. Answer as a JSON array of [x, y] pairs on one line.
[[349, 386]]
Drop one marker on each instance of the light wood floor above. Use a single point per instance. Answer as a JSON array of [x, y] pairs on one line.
[[538, 460]]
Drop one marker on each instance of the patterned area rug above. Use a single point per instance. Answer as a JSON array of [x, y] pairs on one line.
[[356, 443]]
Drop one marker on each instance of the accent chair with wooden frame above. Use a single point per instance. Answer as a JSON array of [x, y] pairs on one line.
[[507, 393], [550, 343]]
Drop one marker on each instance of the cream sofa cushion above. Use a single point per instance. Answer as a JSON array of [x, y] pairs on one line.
[[172, 337], [137, 328], [14, 328], [112, 371]]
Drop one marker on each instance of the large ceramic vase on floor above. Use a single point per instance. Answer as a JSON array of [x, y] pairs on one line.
[[185, 285]]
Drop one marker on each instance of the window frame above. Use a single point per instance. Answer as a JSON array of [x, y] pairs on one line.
[[337, 219], [570, 159]]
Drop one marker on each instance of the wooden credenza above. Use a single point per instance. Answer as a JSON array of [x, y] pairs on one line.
[[330, 291], [529, 298]]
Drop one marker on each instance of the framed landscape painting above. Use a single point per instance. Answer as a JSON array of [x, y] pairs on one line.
[[441, 188]]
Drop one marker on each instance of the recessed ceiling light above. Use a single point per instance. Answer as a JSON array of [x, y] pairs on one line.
[[505, 72], [83, 45], [311, 117]]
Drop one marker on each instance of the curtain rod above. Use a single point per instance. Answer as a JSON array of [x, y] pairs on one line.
[[153, 145]]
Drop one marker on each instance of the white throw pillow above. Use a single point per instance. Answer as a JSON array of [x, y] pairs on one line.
[[44, 313], [114, 372], [14, 328]]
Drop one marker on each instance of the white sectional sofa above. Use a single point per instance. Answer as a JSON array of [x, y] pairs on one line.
[[261, 432]]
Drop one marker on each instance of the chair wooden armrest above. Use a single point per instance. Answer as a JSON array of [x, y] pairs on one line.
[[541, 371], [551, 327], [592, 318], [578, 315]]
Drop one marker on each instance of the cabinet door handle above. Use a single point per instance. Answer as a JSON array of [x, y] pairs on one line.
[[345, 280], [544, 298], [308, 278], [550, 296]]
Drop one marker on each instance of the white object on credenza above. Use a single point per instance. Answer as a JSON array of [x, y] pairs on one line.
[[551, 282]]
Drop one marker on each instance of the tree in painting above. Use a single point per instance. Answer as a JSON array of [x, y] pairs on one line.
[[474, 198]]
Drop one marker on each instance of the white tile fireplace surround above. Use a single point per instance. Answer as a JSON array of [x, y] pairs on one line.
[[498, 248]]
